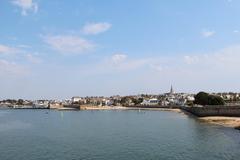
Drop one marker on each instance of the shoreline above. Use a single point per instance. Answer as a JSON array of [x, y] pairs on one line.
[[232, 122], [131, 108]]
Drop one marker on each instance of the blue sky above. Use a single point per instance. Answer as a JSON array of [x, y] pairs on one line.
[[59, 49]]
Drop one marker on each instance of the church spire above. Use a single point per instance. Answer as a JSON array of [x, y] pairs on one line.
[[171, 90]]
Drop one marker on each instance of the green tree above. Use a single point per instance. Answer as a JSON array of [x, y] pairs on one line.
[[204, 98], [124, 100], [215, 100], [201, 98]]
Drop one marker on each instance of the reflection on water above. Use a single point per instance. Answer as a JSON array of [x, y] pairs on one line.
[[117, 135]]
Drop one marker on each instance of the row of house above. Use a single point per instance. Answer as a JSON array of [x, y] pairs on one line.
[[170, 98], [166, 99]]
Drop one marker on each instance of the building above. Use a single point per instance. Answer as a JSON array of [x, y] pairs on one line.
[[171, 90], [150, 102], [76, 99]]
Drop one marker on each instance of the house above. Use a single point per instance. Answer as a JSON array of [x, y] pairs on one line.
[[76, 99], [190, 98], [150, 102], [165, 103]]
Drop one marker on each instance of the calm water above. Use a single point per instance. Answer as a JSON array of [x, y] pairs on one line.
[[112, 135]]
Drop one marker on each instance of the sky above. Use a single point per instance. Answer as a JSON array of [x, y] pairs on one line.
[[58, 49]]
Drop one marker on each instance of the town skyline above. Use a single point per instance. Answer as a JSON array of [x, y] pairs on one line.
[[55, 49], [227, 94]]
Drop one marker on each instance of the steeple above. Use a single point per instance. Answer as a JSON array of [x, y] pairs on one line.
[[171, 90]]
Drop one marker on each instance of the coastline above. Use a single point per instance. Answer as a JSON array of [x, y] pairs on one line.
[[130, 108], [232, 122]]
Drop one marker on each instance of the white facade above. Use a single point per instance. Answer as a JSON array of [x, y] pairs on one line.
[[76, 99], [152, 101], [190, 98]]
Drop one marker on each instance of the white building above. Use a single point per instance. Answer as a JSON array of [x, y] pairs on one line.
[[190, 98], [150, 102], [76, 99]]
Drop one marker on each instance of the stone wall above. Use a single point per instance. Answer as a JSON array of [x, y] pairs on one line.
[[233, 111], [75, 106], [154, 106]]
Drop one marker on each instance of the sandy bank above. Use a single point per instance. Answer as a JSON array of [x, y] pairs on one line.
[[223, 121]]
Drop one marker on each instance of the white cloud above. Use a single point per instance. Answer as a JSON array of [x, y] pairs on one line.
[[113, 64], [131, 64], [96, 28], [4, 49], [121, 62], [208, 33], [118, 58], [217, 70], [68, 44], [19, 52], [26, 6], [226, 57]]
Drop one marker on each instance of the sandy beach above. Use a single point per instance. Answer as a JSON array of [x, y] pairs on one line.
[[233, 122]]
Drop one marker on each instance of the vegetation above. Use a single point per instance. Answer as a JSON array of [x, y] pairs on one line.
[[20, 102], [203, 98], [125, 100], [137, 101]]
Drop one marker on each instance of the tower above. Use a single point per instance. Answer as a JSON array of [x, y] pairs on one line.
[[171, 90]]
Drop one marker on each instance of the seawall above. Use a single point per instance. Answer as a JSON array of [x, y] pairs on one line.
[[154, 106], [230, 111]]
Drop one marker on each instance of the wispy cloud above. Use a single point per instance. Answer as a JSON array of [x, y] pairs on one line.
[[121, 62], [208, 33], [224, 58], [68, 44], [118, 58], [19, 51], [96, 28], [26, 6], [224, 61], [4, 49]]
